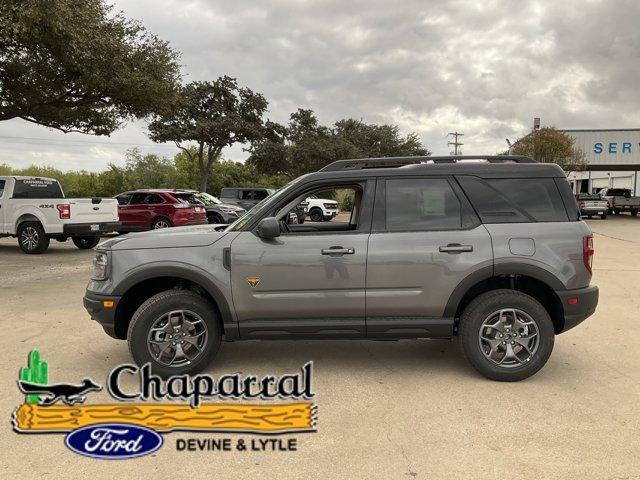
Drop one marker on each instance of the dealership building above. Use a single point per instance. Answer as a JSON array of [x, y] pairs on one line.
[[612, 158]]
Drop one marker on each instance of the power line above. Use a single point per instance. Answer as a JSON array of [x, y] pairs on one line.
[[54, 141], [455, 142]]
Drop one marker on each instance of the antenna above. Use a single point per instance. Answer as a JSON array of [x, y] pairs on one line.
[[455, 142]]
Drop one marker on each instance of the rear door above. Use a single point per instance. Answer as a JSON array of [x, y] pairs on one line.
[[136, 211], [425, 240], [4, 228]]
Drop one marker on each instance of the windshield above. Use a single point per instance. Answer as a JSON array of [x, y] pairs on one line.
[[259, 207], [207, 199]]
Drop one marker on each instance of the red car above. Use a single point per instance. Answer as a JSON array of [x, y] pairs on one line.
[[150, 209]]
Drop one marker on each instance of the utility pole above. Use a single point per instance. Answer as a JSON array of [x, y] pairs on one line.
[[455, 143]]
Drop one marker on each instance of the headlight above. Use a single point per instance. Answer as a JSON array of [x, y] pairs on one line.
[[228, 210], [100, 266]]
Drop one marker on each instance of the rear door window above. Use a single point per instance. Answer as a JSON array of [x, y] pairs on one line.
[[137, 198], [2, 182], [37, 188], [124, 199], [421, 204], [515, 200], [152, 199]]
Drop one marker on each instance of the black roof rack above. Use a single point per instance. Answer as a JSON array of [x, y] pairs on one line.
[[395, 162]]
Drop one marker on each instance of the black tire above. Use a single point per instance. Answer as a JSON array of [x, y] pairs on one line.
[[481, 308], [86, 243], [315, 215], [215, 218], [616, 211], [603, 216], [634, 212], [161, 304], [589, 216], [161, 222], [32, 238]]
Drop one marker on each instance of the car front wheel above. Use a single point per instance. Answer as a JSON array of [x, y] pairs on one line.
[[176, 331], [506, 335]]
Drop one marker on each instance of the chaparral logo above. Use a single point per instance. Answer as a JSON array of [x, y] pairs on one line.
[[131, 427], [113, 441]]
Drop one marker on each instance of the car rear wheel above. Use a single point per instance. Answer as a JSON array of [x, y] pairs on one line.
[[161, 222], [634, 212], [506, 335], [215, 218], [85, 243], [603, 216], [32, 238], [177, 331]]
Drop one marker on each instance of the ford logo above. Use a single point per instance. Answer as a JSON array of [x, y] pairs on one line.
[[113, 441]]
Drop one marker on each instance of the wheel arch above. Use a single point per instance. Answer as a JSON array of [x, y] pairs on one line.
[[532, 280], [139, 286]]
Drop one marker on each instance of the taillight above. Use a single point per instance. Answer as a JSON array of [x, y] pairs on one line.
[[64, 211], [582, 204], [587, 251]]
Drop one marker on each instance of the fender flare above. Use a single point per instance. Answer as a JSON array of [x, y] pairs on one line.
[[187, 272], [506, 268]]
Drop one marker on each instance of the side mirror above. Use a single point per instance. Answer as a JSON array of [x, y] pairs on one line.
[[268, 228]]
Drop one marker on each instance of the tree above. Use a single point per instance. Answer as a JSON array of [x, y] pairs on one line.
[[549, 145], [305, 146], [75, 66], [214, 115]]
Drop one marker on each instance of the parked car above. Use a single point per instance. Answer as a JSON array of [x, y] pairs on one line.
[[217, 212], [621, 200], [35, 210], [321, 209], [591, 204], [152, 209], [247, 198], [492, 252]]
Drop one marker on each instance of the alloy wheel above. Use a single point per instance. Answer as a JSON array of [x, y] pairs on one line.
[[177, 338], [29, 238], [509, 337]]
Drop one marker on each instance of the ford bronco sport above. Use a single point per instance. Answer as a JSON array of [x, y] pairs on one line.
[[490, 250]]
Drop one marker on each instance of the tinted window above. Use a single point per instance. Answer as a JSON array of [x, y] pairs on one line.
[[152, 198], [2, 182], [37, 188], [124, 199], [513, 200], [260, 194], [248, 195], [189, 198], [421, 204], [229, 193]]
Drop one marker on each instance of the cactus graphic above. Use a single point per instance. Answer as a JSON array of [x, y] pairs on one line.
[[37, 372]]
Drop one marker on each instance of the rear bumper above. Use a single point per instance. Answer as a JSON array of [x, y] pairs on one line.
[[185, 222], [90, 228], [583, 304], [94, 304]]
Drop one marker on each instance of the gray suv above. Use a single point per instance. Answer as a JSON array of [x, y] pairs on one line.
[[490, 250]]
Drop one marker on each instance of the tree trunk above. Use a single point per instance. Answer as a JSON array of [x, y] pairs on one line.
[[204, 176]]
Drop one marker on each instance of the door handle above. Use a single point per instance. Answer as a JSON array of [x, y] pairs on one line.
[[338, 251], [455, 248]]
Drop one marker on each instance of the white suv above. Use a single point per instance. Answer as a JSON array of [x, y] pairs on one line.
[[322, 209]]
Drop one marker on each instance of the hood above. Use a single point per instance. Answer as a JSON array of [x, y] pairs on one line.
[[174, 237]]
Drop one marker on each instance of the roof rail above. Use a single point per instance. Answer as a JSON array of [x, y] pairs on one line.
[[395, 162]]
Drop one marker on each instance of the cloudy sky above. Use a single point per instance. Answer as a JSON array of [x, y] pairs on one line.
[[484, 68]]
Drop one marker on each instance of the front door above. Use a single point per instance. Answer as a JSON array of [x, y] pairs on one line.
[[425, 241], [308, 283]]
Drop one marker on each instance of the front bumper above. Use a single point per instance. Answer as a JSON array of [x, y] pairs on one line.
[[106, 316], [578, 305], [73, 229]]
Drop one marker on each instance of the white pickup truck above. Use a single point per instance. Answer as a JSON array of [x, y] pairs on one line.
[[620, 200], [321, 209], [34, 210]]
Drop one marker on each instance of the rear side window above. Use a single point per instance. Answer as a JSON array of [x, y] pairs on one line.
[[153, 199], [37, 188], [229, 193], [515, 200], [421, 204], [124, 199], [2, 182]]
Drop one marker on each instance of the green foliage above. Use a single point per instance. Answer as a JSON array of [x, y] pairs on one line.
[[36, 372], [549, 145], [76, 66], [213, 115], [305, 146], [150, 171]]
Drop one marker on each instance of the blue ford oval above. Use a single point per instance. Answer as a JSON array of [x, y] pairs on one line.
[[113, 441]]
